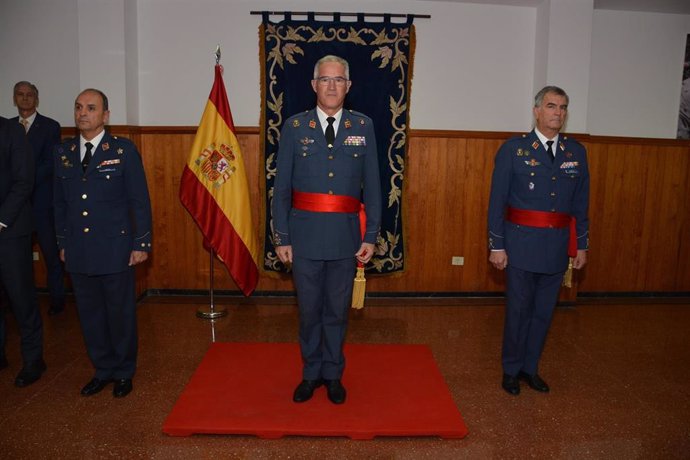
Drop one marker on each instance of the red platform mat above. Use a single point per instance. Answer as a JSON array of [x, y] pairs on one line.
[[246, 389]]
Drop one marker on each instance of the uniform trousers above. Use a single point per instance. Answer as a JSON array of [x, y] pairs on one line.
[[44, 223], [108, 316], [530, 302], [324, 295], [16, 274]]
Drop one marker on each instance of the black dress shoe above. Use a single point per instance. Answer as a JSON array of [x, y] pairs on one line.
[[30, 373], [94, 386], [122, 388], [336, 391], [305, 390], [534, 381], [510, 384]]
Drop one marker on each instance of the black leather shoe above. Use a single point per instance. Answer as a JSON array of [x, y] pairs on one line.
[[510, 384], [336, 391], [3, 361], [535, 382], [30, 373], [122, 388], [94, 386], [305, 390]]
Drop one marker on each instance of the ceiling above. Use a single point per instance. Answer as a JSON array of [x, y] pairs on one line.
[[650, 6]]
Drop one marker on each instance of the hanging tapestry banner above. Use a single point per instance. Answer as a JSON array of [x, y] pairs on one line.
[[381, 56]]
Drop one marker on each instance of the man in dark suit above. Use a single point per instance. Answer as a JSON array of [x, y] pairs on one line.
[[43, 134], [16, 262], [327, 167], [537, 220], [103, 227]]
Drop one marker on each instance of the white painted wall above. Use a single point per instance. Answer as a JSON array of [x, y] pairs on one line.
[[474, 69], [637, 66]]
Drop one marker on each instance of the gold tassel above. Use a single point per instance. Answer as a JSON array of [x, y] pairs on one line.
[[360, 286], [568, 277]]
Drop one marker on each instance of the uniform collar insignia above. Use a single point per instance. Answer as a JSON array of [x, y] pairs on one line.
[[535, 144], [562, 147], [120, 151], [105, 146], [348, 124], [72, 147], [312, 124]]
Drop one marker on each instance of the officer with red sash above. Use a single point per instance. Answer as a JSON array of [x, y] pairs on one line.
[[327, 167], [537, 219]]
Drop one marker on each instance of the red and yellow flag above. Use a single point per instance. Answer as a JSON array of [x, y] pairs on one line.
[[215, 191]]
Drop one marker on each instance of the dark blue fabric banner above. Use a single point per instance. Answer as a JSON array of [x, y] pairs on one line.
[[380, 55]]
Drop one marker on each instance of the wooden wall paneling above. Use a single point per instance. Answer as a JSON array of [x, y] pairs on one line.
[[639, 215]]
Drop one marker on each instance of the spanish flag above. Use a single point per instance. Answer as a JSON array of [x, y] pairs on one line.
[[214, 190]]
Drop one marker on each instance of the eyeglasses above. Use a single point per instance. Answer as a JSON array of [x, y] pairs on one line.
[[325, 81]]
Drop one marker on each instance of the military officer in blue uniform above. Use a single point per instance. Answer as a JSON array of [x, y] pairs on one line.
[[537, 218], [103, 227], [327, 166]]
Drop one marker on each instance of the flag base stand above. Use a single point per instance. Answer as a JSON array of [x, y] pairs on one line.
[[212, 312]]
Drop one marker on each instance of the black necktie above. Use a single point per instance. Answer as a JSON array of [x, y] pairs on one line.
[[330, 132], [87, 156], [549, 148]]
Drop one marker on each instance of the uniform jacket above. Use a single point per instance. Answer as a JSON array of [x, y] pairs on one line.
[[525, 177], [16, 180], [104, 214], [43, 136], [305, 164]]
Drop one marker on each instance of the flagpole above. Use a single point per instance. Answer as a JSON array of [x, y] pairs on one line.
[[212, 313]]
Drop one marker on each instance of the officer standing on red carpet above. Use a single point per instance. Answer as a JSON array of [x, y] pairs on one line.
[[537, 220], [327, 166]]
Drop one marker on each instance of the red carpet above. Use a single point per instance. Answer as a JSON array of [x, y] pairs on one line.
[[246, 389]]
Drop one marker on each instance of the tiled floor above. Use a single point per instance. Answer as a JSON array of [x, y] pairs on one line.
[[619, 374]]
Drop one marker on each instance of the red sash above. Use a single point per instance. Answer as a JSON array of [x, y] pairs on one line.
[[543, 219], [323, 202]]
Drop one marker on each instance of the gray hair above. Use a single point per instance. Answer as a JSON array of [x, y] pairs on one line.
[[25, 83], [549, 89], [332, 58]]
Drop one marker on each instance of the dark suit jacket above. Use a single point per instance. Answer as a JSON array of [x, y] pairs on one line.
[[16, 180], [525, 177], [305, 164], [104, 214], [43, 136]]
